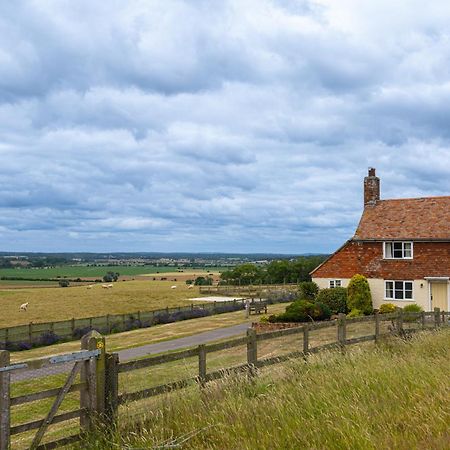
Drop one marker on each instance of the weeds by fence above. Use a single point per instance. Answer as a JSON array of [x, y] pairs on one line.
[[255, 290], [103, 389]]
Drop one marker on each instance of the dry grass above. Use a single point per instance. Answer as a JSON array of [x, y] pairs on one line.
[[53, 304], [152, 335], [396, 395]]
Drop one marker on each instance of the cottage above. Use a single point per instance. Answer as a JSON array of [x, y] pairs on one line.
[[402, 246]]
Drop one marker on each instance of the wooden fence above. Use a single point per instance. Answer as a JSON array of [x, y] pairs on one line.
[[23, 337], [250, 290], [101, 392]]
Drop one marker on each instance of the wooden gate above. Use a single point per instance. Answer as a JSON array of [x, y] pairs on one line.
[[88, 364]]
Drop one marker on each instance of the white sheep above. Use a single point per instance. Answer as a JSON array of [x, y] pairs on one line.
[[90, 286], [110, 285], [104, 286], [24, 306], [190, 286], [173, 287]]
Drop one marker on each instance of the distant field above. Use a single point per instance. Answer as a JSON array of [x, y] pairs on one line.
[[98, 272], [51, 304]]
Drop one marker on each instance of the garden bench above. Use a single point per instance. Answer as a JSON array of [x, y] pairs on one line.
[[258, 307]]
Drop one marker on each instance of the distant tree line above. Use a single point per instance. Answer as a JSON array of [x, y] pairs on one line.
[[276, 272]]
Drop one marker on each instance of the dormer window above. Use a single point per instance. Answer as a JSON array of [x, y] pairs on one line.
[[397, 250]]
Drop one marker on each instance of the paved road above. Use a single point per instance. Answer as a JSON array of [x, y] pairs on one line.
[[144, 350]]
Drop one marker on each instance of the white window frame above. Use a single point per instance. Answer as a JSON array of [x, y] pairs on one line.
[[334, 284], [403, 249], [404, 290]]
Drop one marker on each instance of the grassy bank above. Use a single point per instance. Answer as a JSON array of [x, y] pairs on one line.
[[396, 395]]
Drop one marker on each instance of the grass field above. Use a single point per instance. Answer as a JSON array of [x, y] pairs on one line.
[[98, 272], [52, 304], [395, 395]]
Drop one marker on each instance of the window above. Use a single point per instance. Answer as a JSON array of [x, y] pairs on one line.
[[398, 290], [398, 250], [335, 283]]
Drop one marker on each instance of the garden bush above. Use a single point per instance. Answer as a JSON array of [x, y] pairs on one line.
[[48, 338], [280, 296], [358, 293], [302, 311], [355, 313], [387, 308], [335, 299], [308, 290], [413, 308]]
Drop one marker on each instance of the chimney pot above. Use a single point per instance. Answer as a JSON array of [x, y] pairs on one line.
[[371, 188]]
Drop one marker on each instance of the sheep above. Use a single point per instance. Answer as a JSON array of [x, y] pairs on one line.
[[190, 286], [90, 286], [24, 306], [110, 285], [104, 286], [173, 287]]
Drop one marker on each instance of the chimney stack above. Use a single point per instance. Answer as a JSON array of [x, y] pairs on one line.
[[371, 188]]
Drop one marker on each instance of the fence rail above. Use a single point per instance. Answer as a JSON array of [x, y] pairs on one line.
[[99, 384]]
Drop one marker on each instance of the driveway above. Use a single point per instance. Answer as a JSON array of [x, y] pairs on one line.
[[144, 350]]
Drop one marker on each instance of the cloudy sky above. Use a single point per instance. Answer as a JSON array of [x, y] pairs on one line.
[[214, 125]]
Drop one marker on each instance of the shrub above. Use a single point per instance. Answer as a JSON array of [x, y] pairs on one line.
[[413, 308], [358, 293], [303, 311], [264, 319], [308, 290], [48, 338], [335, 299], [355, 313], [280, 296], [63, 283], [387, 308]]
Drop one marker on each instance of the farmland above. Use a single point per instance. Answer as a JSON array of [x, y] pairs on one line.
[[97, 271], [53, 304]]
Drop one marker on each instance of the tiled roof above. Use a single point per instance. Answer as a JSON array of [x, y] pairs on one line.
[[409, 218]]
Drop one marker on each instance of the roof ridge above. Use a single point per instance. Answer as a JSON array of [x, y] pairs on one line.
[[414, 198]]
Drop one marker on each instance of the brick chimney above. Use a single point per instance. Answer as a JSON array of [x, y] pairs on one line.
[[371, 188]]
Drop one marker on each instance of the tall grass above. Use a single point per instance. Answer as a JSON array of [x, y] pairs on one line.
[[393, 396]]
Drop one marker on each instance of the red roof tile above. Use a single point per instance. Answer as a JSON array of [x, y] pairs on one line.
[[406, 219]]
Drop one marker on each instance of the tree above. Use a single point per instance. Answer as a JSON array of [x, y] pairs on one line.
[[111, 276], [308, 290], [358, 293]]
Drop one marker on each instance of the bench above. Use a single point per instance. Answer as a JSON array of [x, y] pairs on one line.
[[257, 308]]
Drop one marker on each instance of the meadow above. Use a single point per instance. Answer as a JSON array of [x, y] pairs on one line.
[[48, 304], [99, 271]]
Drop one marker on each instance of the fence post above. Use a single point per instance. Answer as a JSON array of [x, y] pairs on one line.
[[72, 326], [342, 331], [111, 389], [202, 364], [5, 407], [305, 340], [437, 317], [92, 399], [423, 320], [30, 332], [252, 350], [377, 327], [400, 322]]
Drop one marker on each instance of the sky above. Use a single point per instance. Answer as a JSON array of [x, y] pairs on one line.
[[215, 126]]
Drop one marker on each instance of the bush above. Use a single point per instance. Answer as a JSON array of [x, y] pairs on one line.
[[63, 283], [303, 311], [48, 338], [387, 308], [264, 319], [308, 290], [280, 296], [412, 309], [355, 313], [358, 293], [335, 299]]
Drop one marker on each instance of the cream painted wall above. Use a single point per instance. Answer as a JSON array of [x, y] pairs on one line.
[[420, 294]]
